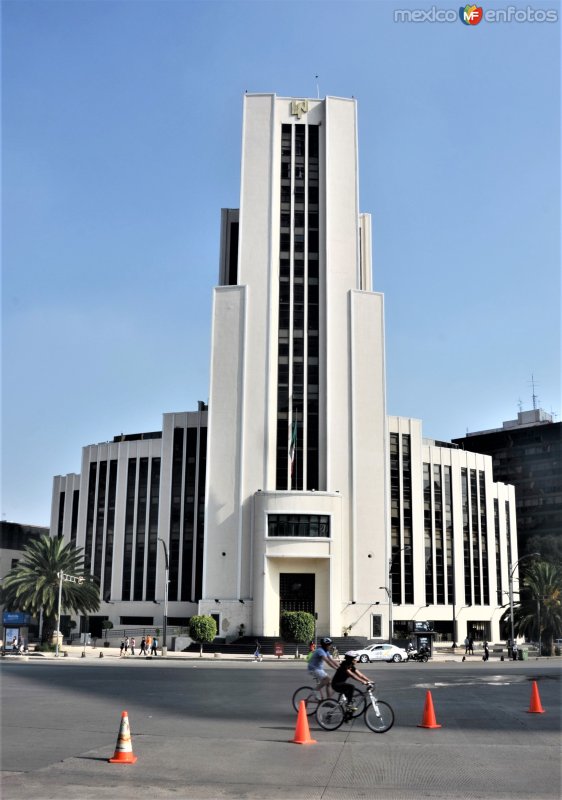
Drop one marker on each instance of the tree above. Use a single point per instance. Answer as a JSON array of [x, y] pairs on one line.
[[297, 626], [33, 584], [202, 629], [106, 625], [538, 613]]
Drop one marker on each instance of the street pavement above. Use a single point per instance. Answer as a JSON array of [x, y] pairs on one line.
[[210, 728]]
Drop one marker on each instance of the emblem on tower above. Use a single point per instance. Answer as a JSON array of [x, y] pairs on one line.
[[299, 107]]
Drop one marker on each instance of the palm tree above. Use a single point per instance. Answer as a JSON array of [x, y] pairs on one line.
[[539, 610], [33, 584]]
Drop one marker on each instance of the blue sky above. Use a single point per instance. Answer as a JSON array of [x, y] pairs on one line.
[[121, 143]]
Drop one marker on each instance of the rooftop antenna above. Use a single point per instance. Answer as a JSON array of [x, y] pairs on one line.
[[317, 87], [520, 404], [535, 398]]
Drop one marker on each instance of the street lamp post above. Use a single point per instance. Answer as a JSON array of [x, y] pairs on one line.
[[70, 579], [388, 589], [166, 580], [511, 573]]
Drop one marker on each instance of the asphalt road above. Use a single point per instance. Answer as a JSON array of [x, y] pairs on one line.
[[223, 730]]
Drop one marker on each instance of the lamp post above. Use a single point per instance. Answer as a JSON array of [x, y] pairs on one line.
[[388, 589], [511, 573], [166, 574], [70, 579]]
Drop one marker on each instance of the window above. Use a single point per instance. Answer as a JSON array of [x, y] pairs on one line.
[[299, 525]]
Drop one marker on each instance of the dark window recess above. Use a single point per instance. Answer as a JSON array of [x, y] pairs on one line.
[[149, 621], [233, 255], [299, 525], [74, 523], [129, 529], [90, 516], [100, 520], [175, 512], [108, 560], [61, 514], [152, 553]]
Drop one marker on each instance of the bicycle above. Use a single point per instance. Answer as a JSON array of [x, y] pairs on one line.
[[312, 697], [379, 716]]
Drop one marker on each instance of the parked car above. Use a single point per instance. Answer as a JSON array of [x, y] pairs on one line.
[[382, 652]]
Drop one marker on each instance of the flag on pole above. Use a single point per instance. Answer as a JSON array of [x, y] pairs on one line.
[[293, 446]]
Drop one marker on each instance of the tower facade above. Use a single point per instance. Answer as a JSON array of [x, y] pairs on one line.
[[296, 480]]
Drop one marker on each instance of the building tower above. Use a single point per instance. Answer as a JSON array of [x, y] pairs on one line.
[[296, 480]]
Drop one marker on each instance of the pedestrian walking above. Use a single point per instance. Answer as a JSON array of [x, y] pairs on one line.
[[154, 646], [126, 644], [471, 645], [466, 646], [148, 644], [132, 645], [257, 652], [486, 655], [122, 647], [142, 651]]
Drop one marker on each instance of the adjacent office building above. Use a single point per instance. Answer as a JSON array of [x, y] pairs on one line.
[[304, 494], [527, 452]]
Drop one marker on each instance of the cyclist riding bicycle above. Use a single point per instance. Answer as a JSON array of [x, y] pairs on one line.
[[347, 669], [316, 662]]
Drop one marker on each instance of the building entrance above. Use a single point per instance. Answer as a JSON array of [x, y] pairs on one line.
[[296, 592]]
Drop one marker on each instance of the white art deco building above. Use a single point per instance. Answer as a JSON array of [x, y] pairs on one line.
[[314, 497]]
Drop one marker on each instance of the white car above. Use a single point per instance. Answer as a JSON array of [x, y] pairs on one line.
[[382, 652]]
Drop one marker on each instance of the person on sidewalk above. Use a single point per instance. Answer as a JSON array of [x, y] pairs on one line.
[[142, 651], [154, 646], [466, 646], [132, 645], [486, 655], [257, 652]]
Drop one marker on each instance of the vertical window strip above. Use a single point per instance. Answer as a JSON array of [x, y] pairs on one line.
[[508, 536], [90, 511], [499, 584], [439, 536], [175, 511], [428, 537], [188, 514], [74, 523], [477, 591], [466, 537], [394, 513], [129, 529], [484, 538], [449, 539], [285, 273], [140, 542], [152, 547], [100, 519], [406, 521], [60, 523], [200, 513], [110, 532]]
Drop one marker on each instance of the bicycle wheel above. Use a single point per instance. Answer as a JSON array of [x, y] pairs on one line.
[[330, 714], [310, 697], [380, 717], [359, 701]]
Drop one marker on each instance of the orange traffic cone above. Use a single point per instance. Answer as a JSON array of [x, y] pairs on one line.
[[535, 706], [124, 747], [302, 731], [428, 719]]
